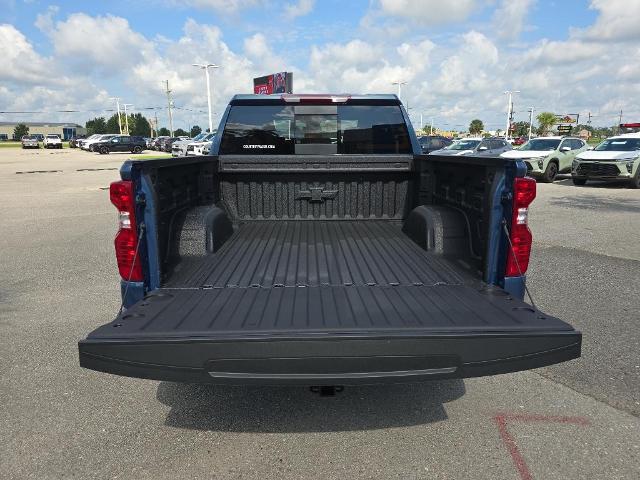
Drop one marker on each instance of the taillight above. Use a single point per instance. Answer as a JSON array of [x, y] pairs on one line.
[[524, 191], [126, 242]]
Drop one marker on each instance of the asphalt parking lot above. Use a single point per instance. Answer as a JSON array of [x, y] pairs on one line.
[[58, 281]]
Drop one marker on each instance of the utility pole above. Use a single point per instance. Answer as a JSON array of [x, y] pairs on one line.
[[169, 106], [530, 121], [431, 126], [117, 99], [620, 122], [509, 94], [206, 67], [126, 119], [155, 124], [421, 124], [399, 83]]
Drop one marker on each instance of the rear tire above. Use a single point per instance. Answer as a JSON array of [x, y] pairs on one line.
[[550, 173], [136, 149], [104, 150], [579, 181]]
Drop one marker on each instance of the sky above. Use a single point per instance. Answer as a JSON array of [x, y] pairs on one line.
[[457, 57]]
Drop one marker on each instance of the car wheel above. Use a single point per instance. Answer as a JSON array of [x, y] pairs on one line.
[[579, 181], [550, 173], [137, 149], [104, 150], [635, 181]]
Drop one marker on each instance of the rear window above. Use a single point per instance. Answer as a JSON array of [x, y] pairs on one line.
[[315, 129], [619, 145]]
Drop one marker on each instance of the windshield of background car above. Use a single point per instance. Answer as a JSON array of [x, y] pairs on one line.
[[542, 144], [619, 145], [199, 137], [53, 136], [463, 145], [30, 137], [301, 129]]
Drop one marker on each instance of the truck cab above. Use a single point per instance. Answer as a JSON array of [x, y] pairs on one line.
[[317, 245]]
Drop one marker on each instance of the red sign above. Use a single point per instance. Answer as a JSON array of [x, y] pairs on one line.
[[281, 82]]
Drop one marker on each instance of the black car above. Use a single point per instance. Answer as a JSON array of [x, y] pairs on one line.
[[121, 143], [156, 143], [165, 144], [429, 143]]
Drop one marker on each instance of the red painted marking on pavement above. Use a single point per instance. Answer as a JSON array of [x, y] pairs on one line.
[[512, 446]]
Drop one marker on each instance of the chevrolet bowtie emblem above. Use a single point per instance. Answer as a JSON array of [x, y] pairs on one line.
[[316, 194]]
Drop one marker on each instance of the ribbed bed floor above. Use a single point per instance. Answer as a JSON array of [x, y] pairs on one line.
[[315, 253]]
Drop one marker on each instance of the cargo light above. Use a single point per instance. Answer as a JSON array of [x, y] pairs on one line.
[[524, 192], [316, 99], [123, 198]]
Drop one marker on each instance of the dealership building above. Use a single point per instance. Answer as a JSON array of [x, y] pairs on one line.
[[65, 130]]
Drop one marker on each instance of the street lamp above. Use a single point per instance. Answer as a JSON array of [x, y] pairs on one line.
[[117, 99], [206, 67], [399, 83], [509, 93], [126, 119], [530, 121]]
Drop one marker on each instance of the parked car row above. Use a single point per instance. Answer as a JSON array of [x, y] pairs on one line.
[[164, 143], [200, 145], [615, 159], [51, 140]]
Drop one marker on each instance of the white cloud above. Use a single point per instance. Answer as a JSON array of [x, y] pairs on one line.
[[509, 18], [221, 6], [21, 63], [618, 20], [104, 42], [258, 50], [472, 68], [429, 12], [299, 9]]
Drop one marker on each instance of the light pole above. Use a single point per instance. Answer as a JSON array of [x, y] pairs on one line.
[[117, 99], [206, 67], [530, 121], [509, 94], [399, 83], [126, 119]]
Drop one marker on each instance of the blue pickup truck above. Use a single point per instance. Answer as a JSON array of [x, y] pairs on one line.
[[317, 245]]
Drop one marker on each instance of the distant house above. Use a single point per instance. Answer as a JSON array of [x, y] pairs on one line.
[[65, 130]]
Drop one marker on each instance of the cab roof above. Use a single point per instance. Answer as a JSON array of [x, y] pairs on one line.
[[315, 98]]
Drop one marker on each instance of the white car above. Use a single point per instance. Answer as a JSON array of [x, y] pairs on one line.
[[197, 148], [52, 140], [615, 159], [80, 143], [179, 147]]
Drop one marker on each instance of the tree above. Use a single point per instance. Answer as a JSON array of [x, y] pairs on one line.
[[97, 125], [522, 129], [20, 131], [112, 124], [195, 130], [163, 132], [545, 121], [139, 125], [476, 126]]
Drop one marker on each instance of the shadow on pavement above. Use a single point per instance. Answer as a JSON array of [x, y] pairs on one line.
[[296, 409], [597, 202], [618, 185]]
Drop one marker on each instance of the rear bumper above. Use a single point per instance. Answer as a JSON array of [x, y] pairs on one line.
[[329, 361]]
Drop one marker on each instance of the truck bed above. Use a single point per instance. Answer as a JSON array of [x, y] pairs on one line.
[[259, 306]]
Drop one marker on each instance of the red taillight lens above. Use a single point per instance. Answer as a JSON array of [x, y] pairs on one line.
[[126, 242], [524, 191]]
